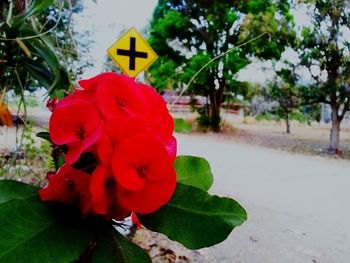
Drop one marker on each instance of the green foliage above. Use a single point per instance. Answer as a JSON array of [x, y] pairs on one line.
[[181, 125], [113, 247], [194, 171], [265, 116], [28, 56], [47, 232], [206, 121], [295, 115], [187, 35], [33, 229], [11, 190], [31, 101], [284, 90], [325, 51], [44, 135], [197, 219], [36, 231], [36, 7]]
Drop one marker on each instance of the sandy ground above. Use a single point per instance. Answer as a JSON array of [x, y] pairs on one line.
[[298, 205]]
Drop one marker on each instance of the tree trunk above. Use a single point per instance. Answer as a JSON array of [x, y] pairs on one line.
[[215, 106], [215, 117], [335, 130], [287, 123]]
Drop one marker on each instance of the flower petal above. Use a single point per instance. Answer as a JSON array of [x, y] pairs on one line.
[[93, 82], [120, 97], [105, 148], [151, 197], [75, 149], [68, 186], [138, 159], [65, 121], [104, 194], [158, 106]]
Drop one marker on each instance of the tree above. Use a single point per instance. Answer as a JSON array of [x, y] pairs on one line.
[[188, 34], [283, 89], [325, 52]]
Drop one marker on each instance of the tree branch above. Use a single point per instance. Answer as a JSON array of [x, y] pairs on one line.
[[345, 109]]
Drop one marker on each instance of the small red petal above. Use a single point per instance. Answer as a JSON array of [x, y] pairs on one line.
[[93, 82], [65, 121], [154, 195], [104, 194], [158, 106], [171, 147], [75, 149], [105, 147], [51, 104], [135, 221], [130, 127]]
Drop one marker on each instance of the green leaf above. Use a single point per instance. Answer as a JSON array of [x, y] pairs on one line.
[[36, 7], [195, 171], [60, 161], [45, 50], [44, 135], [181, 125], [58, 93], [114, 247], [38, 71], [33, 231], [49, 55], [194, 218], [10, 190]]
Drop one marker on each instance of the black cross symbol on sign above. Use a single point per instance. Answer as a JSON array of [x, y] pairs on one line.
[[132, 53]]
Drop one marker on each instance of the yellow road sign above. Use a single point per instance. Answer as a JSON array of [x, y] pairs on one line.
[[132, 53]]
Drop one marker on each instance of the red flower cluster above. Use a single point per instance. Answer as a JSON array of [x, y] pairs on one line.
[[127, 127]]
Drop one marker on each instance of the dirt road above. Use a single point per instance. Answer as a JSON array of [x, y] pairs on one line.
[[298, 206]]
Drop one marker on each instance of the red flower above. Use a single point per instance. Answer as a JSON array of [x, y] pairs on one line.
[[78, 94], [127, 127], [159, 120], [158, 106], [121, 129], [93, 82], [69, 186], [76, 124], [149, 199], [117, 130], [145, 173], [104, 194], [120, 97], [135, 221], [51, 104], [104, 148], [164, 131], [171, 146]]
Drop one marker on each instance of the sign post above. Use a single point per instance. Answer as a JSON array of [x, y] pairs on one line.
[[132, 53]]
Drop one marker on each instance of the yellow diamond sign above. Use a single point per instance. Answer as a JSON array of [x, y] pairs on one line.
[[132, 53]]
